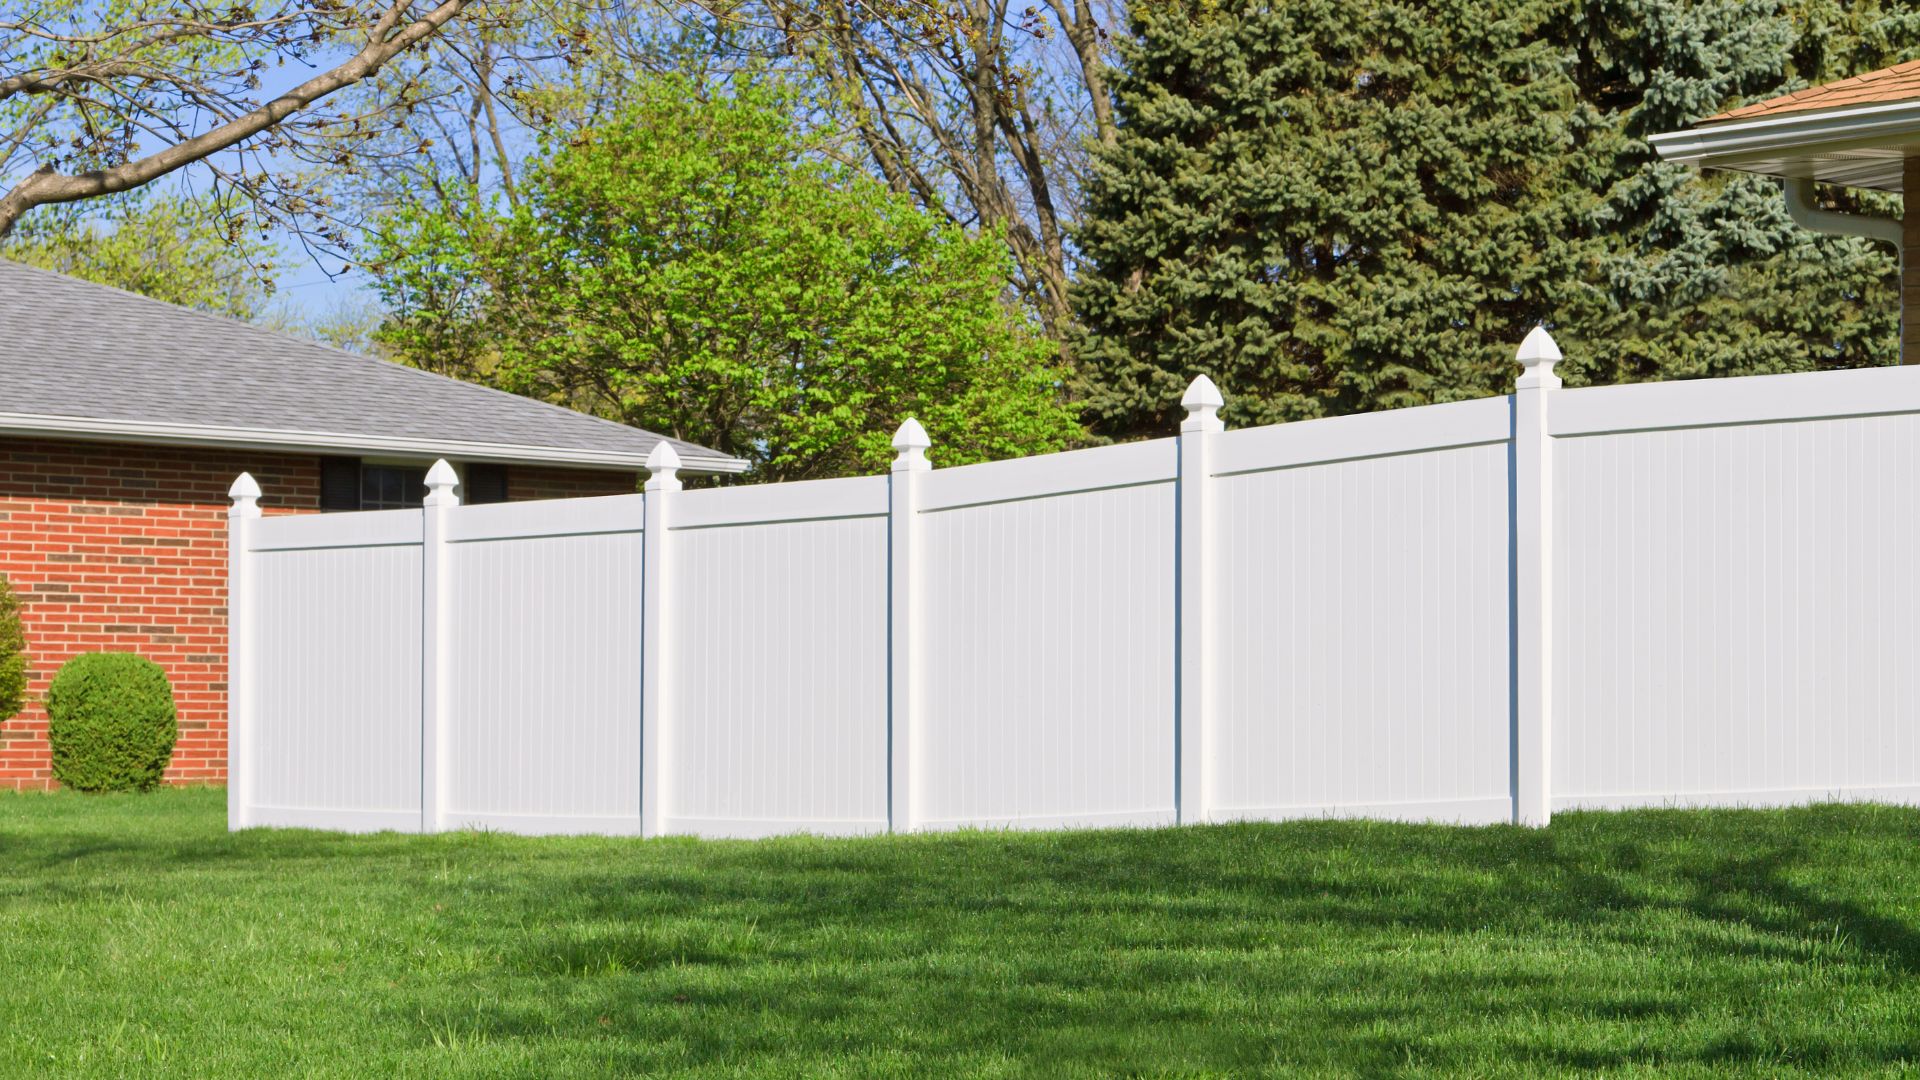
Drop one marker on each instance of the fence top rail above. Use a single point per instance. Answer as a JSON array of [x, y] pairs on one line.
[[765, 504], [1364, 435], [1127, 465], [355, 529], [589, 516], [1748, 399]]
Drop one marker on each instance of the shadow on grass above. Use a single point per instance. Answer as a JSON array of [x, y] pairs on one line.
[[1716, 940], [982, 936]]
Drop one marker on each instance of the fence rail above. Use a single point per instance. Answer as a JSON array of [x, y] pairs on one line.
[[1687, 593]]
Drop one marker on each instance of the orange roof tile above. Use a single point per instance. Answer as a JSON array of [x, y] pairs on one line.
[[1898, 83]]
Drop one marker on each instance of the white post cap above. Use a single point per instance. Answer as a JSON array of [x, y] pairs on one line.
[[663, 467], [1538, 353], [1202, 402], [911, 442], [441, 481], [245, 494]]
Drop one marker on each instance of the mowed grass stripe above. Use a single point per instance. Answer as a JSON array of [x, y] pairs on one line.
[[137, 937]]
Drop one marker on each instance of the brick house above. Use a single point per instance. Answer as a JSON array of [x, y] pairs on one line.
[[124, 420]]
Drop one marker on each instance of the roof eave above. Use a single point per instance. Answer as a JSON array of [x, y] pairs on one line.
[[1726, 144], [150, 433]]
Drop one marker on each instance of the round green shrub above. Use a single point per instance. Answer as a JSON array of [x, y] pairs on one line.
[[13, 653], [110, 720]]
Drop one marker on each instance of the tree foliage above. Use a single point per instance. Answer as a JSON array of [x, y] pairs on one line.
[[984, 109], [166, 248], [980, 111], [13, 653], [689, 265], [1696, 276], [1334, 206]]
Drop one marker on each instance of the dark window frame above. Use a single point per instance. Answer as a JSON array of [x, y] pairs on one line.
[[344, 484]]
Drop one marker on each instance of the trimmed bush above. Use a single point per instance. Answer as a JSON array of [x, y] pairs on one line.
[[110, 720], [13, 653]]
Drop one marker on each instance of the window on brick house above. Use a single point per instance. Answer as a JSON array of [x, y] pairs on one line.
[[353, 484], [392, 487]]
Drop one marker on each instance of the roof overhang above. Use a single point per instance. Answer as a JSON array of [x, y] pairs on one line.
[[1863, 146], [95, 429]]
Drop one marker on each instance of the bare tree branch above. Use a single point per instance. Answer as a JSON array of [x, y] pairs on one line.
[[89, 79]]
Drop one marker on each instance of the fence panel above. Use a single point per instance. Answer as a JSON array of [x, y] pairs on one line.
[[543, 686], [1363, 618], [778, 627], [337, 632], [1049, 640], [1686, 592], [1737, 609]]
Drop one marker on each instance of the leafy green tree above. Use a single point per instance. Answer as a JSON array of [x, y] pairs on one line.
[[165, 248], [691, 265], [1340, 205], [13, 653]]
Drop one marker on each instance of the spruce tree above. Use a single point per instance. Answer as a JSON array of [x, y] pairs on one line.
[[1704, 275], [1327, 205], [1335, 207]]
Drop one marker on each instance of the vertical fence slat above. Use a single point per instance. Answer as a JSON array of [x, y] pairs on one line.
[[903, 638], [1533, 580], [241, 602], [434, 655], [656, 701], [1193, 650]]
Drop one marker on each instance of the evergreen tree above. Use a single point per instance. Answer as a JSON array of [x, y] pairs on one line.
[[1326, 205], [1703, 275], [1333, 207]]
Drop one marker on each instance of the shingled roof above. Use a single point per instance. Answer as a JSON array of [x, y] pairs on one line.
[[89, 361], [1884, 87]]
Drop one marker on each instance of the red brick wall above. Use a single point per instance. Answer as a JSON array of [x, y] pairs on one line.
[[124, 548], [540, 482]]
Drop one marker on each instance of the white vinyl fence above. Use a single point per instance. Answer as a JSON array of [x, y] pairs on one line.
[[1692, 593]]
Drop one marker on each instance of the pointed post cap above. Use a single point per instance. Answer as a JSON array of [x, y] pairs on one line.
[[1537, 355], [245, 494], [441, 481], [911, 444], [663, 467], [1202, 402]]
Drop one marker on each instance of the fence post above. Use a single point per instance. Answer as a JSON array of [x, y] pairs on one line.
[[245, 510], [656, 702], [1192, 790], [1533, 580], [435, 590], [903, 638]]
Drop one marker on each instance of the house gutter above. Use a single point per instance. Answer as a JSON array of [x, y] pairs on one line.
[[1802, 209], [1736, 144], [1850, 146], [156, 433]]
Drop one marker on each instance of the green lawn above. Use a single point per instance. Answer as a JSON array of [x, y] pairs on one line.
[[138, 937]]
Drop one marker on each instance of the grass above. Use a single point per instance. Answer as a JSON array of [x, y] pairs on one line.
[[137, 937]]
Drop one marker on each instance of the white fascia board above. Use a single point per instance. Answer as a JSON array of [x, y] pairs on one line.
[[323, 442], [1724, 145]]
